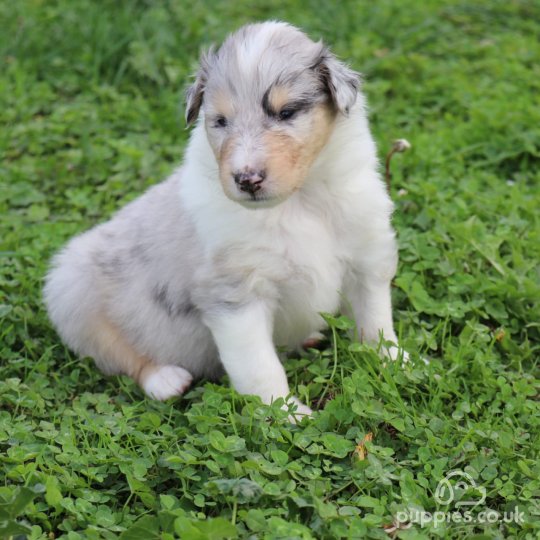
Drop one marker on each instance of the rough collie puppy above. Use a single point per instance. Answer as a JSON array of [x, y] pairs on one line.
[[277, 214]]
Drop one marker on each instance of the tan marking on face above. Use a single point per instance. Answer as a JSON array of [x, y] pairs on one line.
[[278, 97], [225, 150], [222, 103], [225, 170], [290, 158]]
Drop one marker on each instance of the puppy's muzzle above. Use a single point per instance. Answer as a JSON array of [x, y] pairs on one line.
[[249, 180]]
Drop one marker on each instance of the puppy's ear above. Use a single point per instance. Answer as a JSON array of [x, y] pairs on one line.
[[341, 82], [195, 92]]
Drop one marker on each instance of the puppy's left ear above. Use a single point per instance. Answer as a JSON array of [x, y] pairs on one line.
[[339, 79], [195, 92]]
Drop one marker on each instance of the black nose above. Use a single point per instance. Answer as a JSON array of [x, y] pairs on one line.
[[249, 180]]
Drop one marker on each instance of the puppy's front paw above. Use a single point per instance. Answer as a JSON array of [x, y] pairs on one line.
[[300, 411], [164, 382], [396, 354], [400, 355]]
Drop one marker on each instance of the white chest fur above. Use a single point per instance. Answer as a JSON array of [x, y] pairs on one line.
[[291, 254], [314, 269]]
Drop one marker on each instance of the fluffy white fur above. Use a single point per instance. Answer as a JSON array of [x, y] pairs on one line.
[[185, 281]]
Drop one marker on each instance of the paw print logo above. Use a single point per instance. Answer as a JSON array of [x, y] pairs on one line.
[[459, 481]]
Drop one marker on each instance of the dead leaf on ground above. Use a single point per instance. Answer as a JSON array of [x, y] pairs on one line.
[[360, 452]]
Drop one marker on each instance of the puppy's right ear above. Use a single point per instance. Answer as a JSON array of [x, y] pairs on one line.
[[195, 92]]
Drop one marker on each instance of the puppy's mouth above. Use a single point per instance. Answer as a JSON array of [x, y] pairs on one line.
[[265, 195], [260, 199]]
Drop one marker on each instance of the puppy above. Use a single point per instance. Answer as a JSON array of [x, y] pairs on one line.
[[277, 214]]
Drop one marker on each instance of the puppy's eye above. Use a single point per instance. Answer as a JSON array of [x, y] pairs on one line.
[[220, 122], [287, 114]]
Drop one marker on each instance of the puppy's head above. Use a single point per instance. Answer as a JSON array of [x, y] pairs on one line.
[[270, 97]]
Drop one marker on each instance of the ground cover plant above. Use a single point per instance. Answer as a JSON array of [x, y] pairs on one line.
[[91, 116]]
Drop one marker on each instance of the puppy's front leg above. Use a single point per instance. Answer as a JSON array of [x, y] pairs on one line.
[[369, 295], [243, 335]]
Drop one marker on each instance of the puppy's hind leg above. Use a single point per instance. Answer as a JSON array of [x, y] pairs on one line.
[[113, 354]]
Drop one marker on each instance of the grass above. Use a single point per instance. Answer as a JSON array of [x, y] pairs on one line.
[[90, 104]]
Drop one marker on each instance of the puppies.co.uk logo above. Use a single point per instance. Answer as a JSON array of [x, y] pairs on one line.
[[460, 490], [446, 490]]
